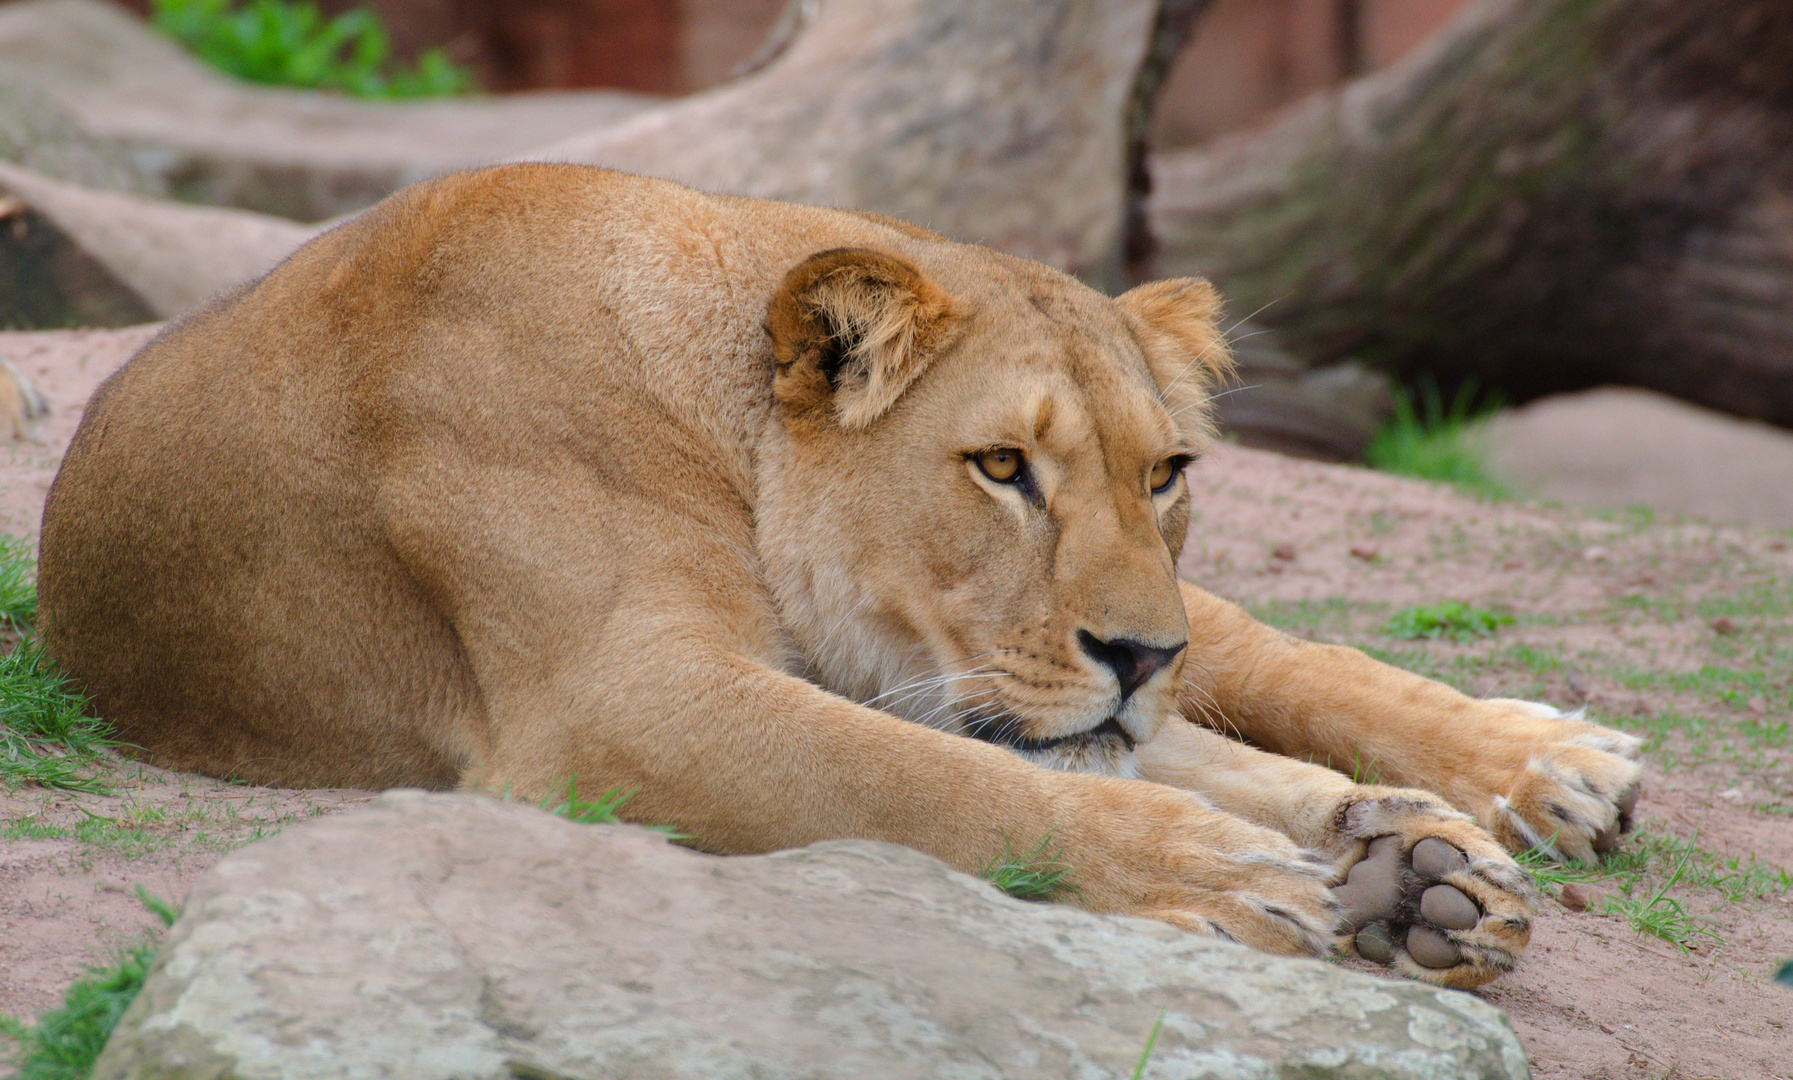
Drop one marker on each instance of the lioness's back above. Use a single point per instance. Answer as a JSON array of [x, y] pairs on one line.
[[212, 576], [218, 568]]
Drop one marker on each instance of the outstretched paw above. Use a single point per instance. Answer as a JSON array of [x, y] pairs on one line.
[[1433, 896], [1575, 794]]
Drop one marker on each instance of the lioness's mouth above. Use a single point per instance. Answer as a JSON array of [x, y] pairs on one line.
[[1003, 731]]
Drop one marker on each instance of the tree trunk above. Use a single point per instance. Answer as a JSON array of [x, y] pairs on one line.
[[205, 137], [1004, 122], [1550, 195]]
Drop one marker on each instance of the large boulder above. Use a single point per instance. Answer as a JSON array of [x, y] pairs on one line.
[[458, 936], [1002, 122]]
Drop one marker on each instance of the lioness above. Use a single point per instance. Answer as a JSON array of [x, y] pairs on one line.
[[798, 523]]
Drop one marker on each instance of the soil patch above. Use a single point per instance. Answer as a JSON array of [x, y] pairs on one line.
[[1670, 627]]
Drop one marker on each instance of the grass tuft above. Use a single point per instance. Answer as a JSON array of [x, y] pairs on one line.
[[66, 1041], [601, 810], [1435, 441], [1661, 916], [288, 43], [1452, 619], [47, 736], [1549, 872], [18, 586], [1034, 874], [1139, 1067]]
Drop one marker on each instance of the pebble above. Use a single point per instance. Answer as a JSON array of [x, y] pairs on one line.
[[1724, 624], [1573, 897]]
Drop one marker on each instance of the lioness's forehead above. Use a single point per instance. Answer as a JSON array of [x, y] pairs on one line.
[[1054, 363], [1066, 390]]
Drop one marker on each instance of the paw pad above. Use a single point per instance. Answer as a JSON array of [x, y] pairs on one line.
[[1429, 948], [1394, 901]]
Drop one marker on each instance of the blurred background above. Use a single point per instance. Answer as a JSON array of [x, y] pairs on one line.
[[1247, 58], [1535, 247]]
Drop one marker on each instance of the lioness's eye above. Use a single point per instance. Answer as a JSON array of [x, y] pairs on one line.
[[1164, 474], [1002, 466]]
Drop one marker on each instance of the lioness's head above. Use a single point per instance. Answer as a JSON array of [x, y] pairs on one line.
[[971, 509]]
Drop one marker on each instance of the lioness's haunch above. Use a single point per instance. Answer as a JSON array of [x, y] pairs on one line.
[[800, 524]]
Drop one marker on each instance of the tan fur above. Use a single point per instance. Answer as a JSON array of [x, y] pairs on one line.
[[544, 472]]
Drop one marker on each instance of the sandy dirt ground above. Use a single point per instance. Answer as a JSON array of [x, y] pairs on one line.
[[1676, 629]]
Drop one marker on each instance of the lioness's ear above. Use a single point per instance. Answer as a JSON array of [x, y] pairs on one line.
[[1176, 324], [852, 329]]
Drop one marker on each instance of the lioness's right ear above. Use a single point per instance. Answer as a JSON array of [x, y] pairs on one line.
[[851, 329], [1176, 323]]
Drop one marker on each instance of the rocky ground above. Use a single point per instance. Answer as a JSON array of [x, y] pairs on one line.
[[1675, 629]]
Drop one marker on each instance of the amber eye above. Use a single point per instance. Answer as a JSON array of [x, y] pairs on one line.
[[1002, 466], [1163, 475]]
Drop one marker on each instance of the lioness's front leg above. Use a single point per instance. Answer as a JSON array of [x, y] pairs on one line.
[[1421, 888], [1530, 775], [746, 759]]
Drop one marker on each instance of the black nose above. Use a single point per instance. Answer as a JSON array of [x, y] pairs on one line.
[[1133, 662]]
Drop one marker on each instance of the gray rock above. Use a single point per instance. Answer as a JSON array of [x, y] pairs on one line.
[[165, 254], [1278, 403], [46, 278], [1618, 447], [457, 936], [45, 137], [1001, 122]]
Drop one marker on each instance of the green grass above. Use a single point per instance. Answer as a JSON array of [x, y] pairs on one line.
[[289, 43], [94, 831], [1334, 616], [1549, 873], [1434, 441], [66, 1041], [1662, 916], [18, 586], [1139, 1067], [1452, 619], [1034, 874], [1674, 863], [599, 811], [47, 736]]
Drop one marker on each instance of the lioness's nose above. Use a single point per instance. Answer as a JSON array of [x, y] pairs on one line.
[[1133, 662]]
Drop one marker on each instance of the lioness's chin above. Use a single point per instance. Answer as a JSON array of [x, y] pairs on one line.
[[1106, 748], [1105, 755]]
